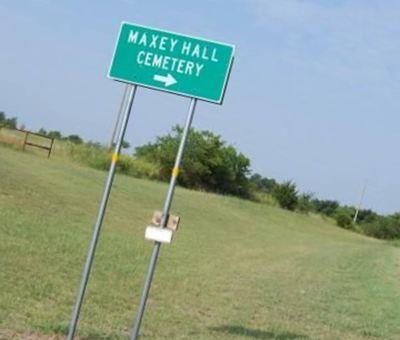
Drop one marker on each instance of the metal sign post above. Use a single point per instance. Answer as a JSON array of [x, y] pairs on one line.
[[118, 120], [103, 204], [164, 220], [166, 61]]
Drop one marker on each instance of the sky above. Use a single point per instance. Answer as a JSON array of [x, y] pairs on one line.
[[313, 97]]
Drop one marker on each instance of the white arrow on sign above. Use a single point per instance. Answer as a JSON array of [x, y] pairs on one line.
[[167, 80]]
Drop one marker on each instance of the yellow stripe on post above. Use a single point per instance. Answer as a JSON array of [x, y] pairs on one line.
[[175, 172], [114, 158]]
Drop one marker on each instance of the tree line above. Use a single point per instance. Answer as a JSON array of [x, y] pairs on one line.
[[210, 164], [12, 123], [8, 122]]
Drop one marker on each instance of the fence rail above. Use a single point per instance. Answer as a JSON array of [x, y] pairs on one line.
[[27, 142]]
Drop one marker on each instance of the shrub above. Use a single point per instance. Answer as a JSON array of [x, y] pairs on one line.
[[97, 156], [42, 132], [384, 227], [138, 168], [304, 203], [366, 216], [262, 184], [74, 139], [91, 155], [125, 144], [54, 134], [286, 195], [326, 207], [9, 122], [208, 163], [344, 220], [264, 198]]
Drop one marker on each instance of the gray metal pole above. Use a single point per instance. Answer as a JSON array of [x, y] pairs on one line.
[[118, 120], [100, 216], [167, 205], [360, 203]]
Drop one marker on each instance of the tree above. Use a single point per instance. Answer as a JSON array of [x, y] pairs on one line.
[[208, 163], [326, 207], [263, 184], [343, 220], [54, 134], [384, 227], [304, 203], [75, 139], [9, 122], [366, 216], [125, 144], [286, 195], [95, 145], [42, 131]]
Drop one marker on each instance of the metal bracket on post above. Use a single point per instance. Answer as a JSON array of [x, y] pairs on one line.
[[172, 220], [155, 232], [103, 205], [164, 220]]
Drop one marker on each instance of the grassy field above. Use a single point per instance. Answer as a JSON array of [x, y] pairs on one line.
[[236, 269]]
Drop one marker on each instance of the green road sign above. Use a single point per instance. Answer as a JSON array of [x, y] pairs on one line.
[[172, 62]]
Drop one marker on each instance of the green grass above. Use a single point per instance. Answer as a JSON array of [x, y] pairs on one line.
[[236, 269]]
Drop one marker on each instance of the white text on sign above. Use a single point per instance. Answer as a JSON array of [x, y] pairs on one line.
[[168, 63]]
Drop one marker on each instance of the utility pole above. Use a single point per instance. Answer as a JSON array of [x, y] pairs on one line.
[[360, 203]]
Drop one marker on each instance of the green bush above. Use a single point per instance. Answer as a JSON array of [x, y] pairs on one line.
[[138, 168], [9, 122], [262, 197], [344, 220], [326, 207], [54, 134], [384, 227], [208, 163], [262, 184], [92, 155], [286, 195], [98, 157], [74, 139], [366, 216], [304, 203]]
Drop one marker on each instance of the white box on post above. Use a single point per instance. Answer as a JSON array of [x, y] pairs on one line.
[[162, 235]]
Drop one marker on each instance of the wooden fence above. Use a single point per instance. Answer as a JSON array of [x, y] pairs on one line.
[[30, 142]]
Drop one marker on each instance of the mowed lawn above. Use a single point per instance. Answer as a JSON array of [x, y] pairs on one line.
[[236, 269]]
